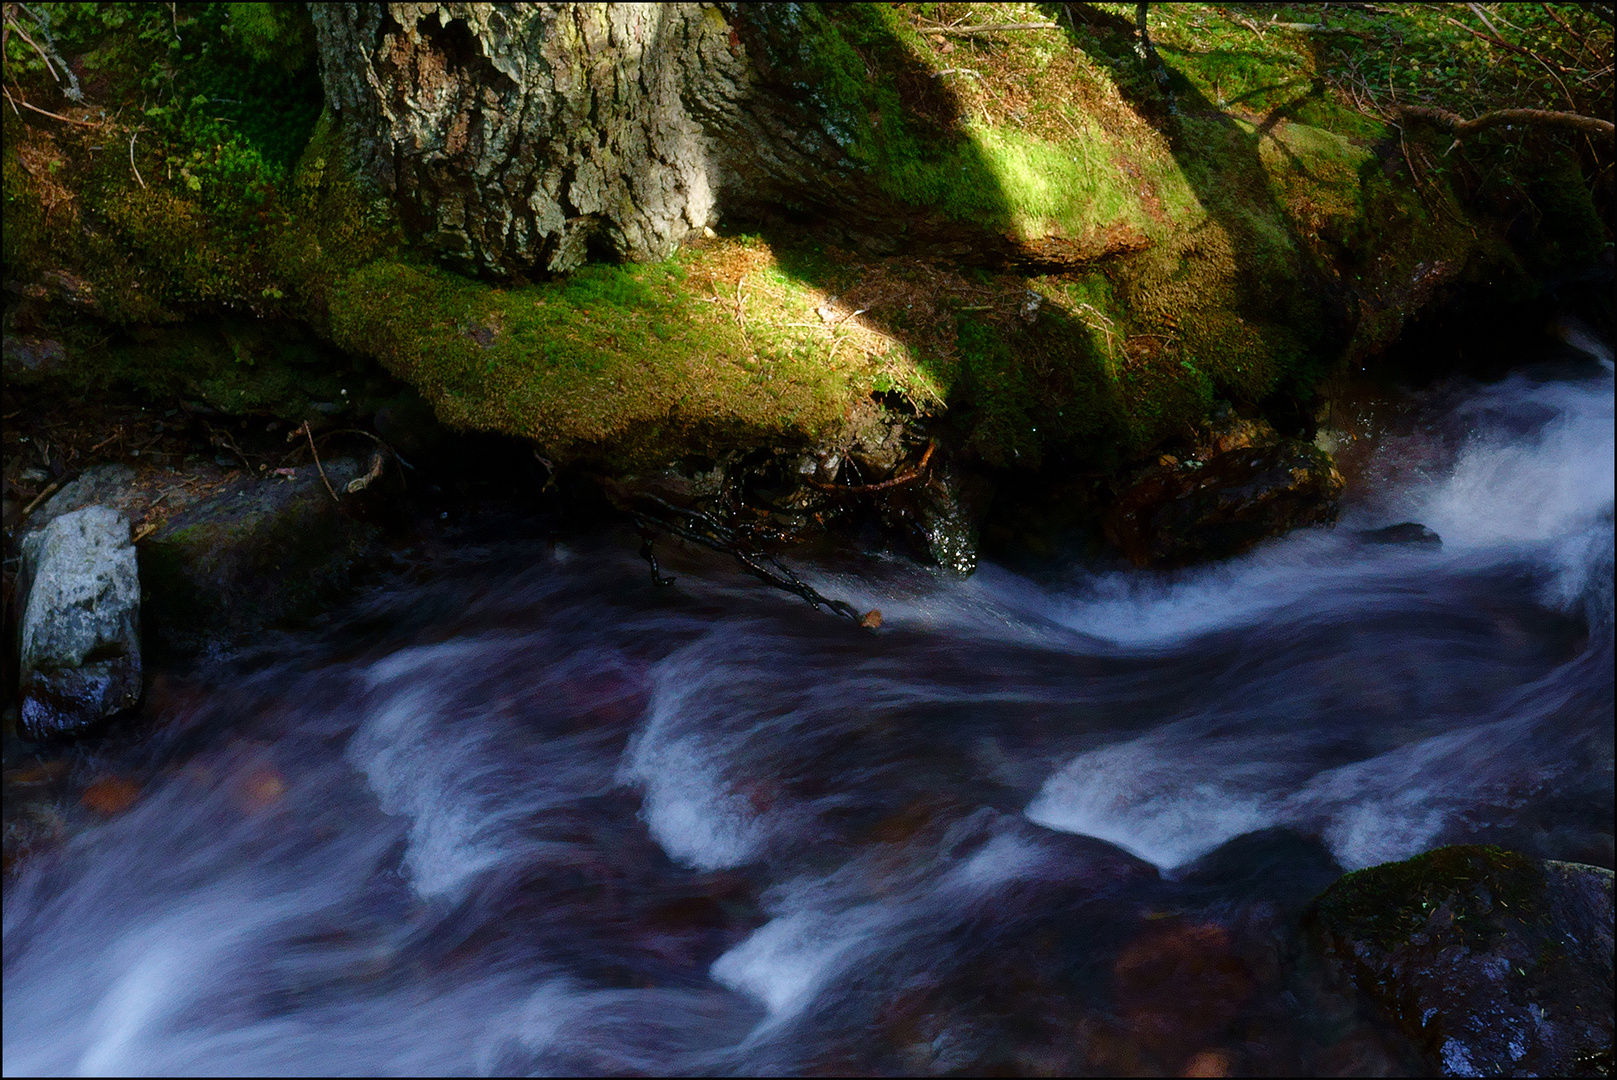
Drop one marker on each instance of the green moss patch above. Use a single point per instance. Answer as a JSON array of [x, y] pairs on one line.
[[1386, 904]]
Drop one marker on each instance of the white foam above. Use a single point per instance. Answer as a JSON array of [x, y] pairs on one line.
[[1513, 488], [693, 810], [460, 774], [785, 962], [1004, 858], [688, 806], [450, 837], [1153, 799]]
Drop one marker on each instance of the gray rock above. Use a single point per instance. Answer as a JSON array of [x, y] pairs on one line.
[[103, 485], [81, 622], [1494, 963]]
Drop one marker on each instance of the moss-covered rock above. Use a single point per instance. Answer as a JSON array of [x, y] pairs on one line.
[[1496, 963], [1019, 235]]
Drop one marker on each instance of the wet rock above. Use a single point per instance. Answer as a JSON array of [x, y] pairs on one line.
[[1495, 963], [939, 514], [1411, 533], [80, 596], [1183, 511], [252, 553]]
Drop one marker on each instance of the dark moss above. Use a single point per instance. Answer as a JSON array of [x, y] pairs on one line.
[[1386, 904]]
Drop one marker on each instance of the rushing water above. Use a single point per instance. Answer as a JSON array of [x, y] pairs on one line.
[[533, 815]]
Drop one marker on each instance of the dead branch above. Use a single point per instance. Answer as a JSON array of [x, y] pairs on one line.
[[41, 497], [1461, 127], [704, 529], [906, 477], [1496, 40], [46, 112], [133, 135], [48, 52], [992, 28], [307, 434]]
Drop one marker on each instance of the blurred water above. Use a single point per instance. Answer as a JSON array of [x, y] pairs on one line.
[[536, 816]]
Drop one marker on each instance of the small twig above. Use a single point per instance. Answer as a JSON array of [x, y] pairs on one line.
[[307, 434], [361, 431], [133, 135], [145, 531], [110, 438], [849, 315], [1414, 176], [41, 497]]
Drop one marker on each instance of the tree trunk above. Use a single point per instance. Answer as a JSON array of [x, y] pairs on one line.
[[523, 137]]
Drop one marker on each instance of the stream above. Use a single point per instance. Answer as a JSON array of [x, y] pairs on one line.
[[529, 814]]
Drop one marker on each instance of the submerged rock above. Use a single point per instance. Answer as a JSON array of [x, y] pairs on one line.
[[1411, 533], [1495, 963], [80, 595], [1177, 512]]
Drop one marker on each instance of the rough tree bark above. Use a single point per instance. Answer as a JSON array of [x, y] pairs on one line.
[[523, 137]]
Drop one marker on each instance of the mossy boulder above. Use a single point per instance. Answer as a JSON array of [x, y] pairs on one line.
[[1015, 232], [1496, 963]]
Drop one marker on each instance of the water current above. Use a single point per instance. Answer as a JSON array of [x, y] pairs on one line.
[[529, 814]]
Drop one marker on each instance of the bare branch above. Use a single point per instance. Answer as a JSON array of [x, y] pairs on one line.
[[993, 28], [1462, 127]]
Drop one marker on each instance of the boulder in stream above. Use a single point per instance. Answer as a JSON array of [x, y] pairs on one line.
[[1183, 511], [80, 596], [1495, 963]]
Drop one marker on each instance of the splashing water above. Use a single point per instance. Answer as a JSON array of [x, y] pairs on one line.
[[548, 819]]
